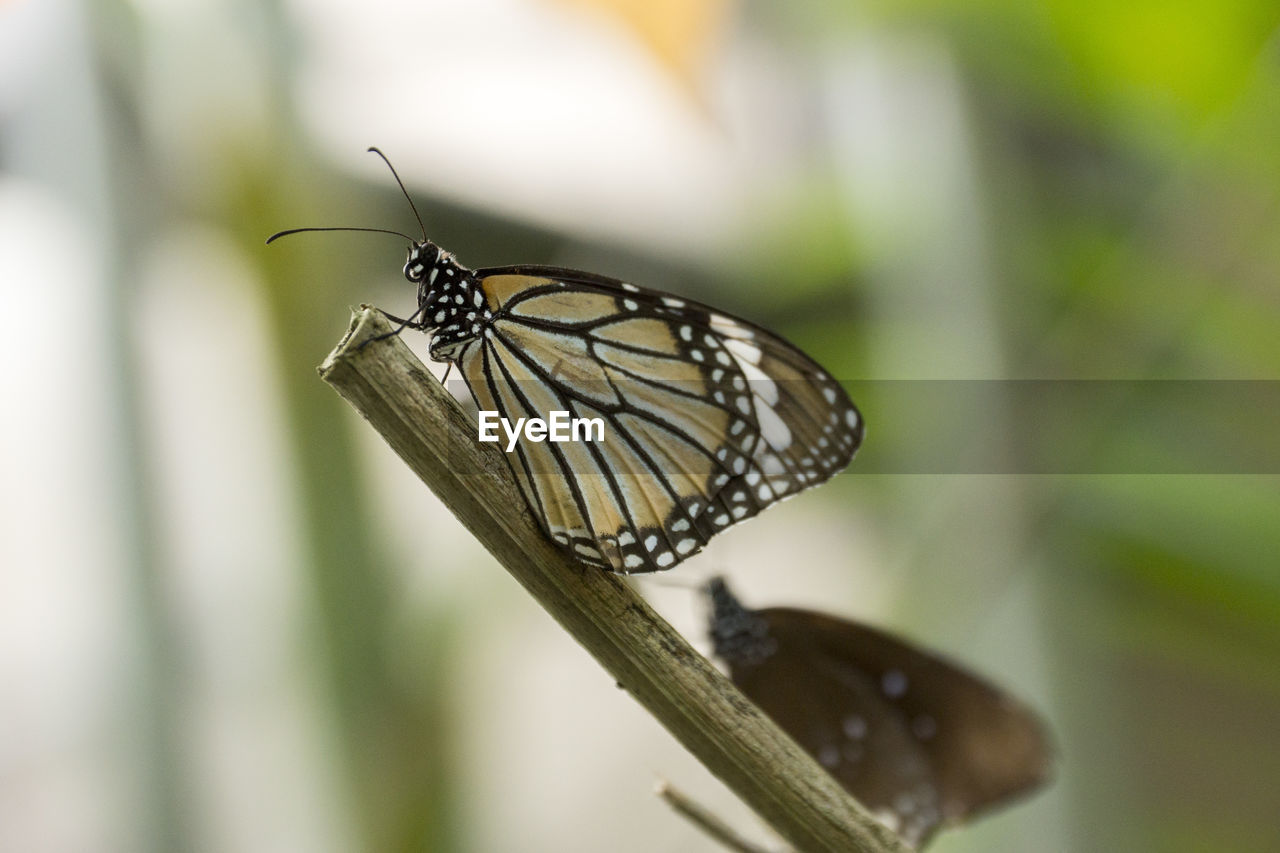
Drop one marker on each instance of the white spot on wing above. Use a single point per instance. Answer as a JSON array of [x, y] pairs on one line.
[[761, 384], [744, 350], [772, 465], [855, 727], [893, 683], [730, 328], [773, 429]]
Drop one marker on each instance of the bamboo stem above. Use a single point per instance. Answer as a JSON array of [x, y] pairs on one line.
[[705, 820], [391, 389]]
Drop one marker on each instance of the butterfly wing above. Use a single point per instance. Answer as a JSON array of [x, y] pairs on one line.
[[911, 735], [838, 713], [984, 745], [707, 418]]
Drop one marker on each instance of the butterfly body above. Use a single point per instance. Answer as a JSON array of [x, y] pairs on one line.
[[918, 740], [451, 302], [709, 418]]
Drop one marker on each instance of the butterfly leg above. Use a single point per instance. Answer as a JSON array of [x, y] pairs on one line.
[[403, 324]]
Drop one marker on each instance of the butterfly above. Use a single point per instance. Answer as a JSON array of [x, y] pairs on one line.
[[918, 740], [707, 418]]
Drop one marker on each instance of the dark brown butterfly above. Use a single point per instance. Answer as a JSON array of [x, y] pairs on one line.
[[919, 741]]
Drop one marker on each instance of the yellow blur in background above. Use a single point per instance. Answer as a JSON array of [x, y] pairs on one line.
[[230, 620]]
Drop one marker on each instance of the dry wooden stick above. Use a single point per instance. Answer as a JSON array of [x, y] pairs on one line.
[[705, 820], [386, 384]]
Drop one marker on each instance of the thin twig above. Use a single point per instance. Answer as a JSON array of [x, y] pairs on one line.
[[386, 384], [709, 823]]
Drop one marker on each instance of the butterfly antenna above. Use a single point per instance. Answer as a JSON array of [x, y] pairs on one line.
[[279, 234], [412, 207]]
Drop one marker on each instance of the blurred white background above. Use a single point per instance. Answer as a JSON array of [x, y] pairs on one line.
[[231, 620]]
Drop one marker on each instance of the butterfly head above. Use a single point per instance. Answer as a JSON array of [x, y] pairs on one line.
[[422, 259], [740, 636], [434, 271]]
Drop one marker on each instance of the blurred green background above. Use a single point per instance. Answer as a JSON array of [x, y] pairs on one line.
[[230, 620]]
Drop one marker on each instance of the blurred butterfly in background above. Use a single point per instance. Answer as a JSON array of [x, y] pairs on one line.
[[708, 419], [916, 739]]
